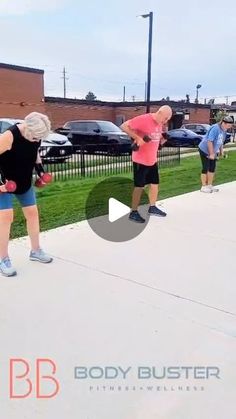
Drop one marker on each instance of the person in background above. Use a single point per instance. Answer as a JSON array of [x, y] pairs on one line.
[[212, 144]]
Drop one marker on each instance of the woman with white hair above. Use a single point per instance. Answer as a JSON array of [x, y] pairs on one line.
[[18, 155]]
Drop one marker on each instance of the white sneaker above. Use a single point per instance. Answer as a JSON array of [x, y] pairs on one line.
[[6, 267], [213, 189], [206, 189]]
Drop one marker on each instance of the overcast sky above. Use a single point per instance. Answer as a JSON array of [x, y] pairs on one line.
[[104, 46]]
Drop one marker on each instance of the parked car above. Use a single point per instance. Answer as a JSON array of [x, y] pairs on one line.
[[96, 136], [202, 129], [182, 138], [55, 148]]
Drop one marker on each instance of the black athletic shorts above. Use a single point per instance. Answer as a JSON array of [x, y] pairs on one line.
[[208, 165], [145, 175]]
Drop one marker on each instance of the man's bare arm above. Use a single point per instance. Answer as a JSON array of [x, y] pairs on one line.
[[125, 127]]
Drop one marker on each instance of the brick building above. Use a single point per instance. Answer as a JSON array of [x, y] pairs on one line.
[[22, 91]]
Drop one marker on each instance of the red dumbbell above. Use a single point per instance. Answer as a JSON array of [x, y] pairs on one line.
[[43, 180], [10, 186], [43, 177], [39, 183], [46, 178]]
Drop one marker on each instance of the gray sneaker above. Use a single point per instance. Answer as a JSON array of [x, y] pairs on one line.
[[153, 210], [6, 267], [40, 256]]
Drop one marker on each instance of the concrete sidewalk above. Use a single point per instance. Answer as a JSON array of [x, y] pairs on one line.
[[166, 298]]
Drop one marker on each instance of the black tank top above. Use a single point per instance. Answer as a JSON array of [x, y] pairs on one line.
[[18, 163]]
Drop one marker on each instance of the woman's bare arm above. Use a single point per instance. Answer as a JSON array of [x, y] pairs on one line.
[[6, 140]]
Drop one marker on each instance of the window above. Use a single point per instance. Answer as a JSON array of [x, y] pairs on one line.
[[206, 126], [107, 126], [76, 126], [92, 126], [4, 126], [188, 126], [200, 128]]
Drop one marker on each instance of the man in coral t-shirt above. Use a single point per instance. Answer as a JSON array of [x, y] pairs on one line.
[[145, 158]]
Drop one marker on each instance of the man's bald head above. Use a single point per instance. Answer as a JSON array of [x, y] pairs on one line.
[[163, 115]]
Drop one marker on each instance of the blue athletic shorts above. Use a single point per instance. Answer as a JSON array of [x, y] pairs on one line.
[[26, 199]]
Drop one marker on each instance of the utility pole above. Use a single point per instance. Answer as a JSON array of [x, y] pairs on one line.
[[149, 62], [64, 81], [124, 94]]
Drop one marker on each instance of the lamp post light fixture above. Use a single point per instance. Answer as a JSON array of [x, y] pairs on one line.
[[149, 69]]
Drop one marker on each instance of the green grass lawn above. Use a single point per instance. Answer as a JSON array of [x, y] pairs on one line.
[[64, 202]]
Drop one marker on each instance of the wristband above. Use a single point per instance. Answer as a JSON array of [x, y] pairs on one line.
[[39, 169], [2, 178]]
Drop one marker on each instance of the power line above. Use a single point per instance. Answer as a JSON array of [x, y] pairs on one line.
[[218, 97]]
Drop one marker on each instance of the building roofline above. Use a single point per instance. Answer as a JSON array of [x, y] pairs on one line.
[[181, 104], [222, 106], [52, 99], [20, 68]]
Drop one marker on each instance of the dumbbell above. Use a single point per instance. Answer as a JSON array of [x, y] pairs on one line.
[[165, 136], [41, 182], [43, 177], [10, 185], [146, 139]]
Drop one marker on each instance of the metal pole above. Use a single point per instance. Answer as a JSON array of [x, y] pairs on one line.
[[64, 81], [124, 94], [149, 62], [145, 92]]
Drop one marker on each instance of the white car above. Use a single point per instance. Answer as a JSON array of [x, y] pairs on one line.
[[55, 148]]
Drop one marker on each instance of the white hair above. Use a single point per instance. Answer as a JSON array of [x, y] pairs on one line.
[[38, 126]]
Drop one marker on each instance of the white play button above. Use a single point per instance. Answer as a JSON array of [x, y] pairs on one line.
[[107, 210], [117, 210]]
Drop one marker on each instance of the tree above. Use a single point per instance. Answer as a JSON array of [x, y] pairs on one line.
[[187, 98], [220, 115], [90, 96]]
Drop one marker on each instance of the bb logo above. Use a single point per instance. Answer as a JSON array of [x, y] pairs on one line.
[[22, 384]]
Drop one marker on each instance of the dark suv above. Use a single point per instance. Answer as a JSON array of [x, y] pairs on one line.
[[94, 136]]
